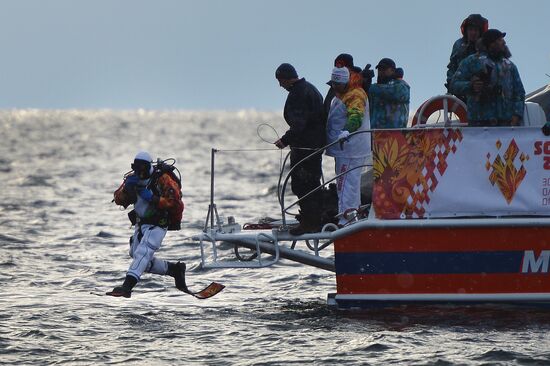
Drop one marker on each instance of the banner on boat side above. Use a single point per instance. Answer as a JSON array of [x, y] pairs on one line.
[[461, 172]]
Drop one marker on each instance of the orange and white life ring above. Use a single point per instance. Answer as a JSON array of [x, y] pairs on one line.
[[446, 103]]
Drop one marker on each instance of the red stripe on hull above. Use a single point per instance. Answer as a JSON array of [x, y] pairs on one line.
[[452, 239], [440, 284]]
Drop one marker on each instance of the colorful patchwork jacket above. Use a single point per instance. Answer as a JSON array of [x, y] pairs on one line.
[[355, 101], [389, 104], [503, 97], [349, 112]]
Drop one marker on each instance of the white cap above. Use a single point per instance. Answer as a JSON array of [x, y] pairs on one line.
[[144, 155], [340, 75]]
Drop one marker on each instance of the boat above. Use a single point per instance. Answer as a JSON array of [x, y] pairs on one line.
[[457, 215]]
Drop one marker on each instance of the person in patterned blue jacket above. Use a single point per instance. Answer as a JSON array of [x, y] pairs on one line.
[[494, 92], [389, 98]]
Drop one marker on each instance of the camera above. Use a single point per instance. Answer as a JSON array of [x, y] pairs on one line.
[[368, 75], [489, 90]]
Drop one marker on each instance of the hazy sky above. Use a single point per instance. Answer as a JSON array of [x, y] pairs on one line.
[[221, 55]]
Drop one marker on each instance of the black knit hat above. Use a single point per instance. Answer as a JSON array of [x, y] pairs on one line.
[[343, 59], [490, 36], [286, 71], [385, 63]]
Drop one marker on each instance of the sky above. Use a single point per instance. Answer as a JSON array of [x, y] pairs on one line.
[[222, 55]]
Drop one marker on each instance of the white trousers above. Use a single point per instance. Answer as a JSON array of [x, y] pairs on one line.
[[348, 185], [145, 242]]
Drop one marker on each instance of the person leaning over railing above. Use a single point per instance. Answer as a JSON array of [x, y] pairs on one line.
[[304, 115], [494, 92]]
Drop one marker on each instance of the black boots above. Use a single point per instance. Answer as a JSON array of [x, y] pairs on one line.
[[309, 223], [126, 289], [177, 270]]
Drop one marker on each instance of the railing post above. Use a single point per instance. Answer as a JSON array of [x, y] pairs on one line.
[[212, 157], [212, 211], [446, 112]]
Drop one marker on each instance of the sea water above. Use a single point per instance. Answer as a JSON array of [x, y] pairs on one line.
[[63, 243]]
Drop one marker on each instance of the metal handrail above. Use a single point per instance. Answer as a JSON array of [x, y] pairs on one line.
[[212, 217], [318, 151], [259, 262], [212, 209]]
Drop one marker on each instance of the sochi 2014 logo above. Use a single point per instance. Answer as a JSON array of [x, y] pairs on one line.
[[506, 168]]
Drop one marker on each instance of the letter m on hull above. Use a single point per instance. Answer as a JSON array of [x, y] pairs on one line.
[[532, 264]]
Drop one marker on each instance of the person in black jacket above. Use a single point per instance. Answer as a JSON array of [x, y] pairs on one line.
[[305, 116]]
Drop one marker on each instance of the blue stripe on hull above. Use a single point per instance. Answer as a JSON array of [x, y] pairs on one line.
[[428, 262]]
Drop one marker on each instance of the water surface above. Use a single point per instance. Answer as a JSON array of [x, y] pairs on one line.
[[63, 244]]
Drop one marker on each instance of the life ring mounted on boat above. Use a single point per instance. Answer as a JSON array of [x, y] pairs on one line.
[[446, 103]]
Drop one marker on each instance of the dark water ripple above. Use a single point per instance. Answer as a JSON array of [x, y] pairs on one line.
[[63, 244]]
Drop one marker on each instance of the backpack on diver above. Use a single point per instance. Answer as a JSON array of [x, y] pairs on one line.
[[169, 218], [175, 213]]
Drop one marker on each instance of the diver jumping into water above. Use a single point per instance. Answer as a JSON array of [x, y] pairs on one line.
[[155, 192]]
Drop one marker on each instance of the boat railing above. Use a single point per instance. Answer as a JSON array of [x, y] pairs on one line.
[[216, 232], [213, 219], [258, 245], [282, 189]]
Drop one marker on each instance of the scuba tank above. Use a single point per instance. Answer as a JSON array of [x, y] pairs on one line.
[[174, 214]]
